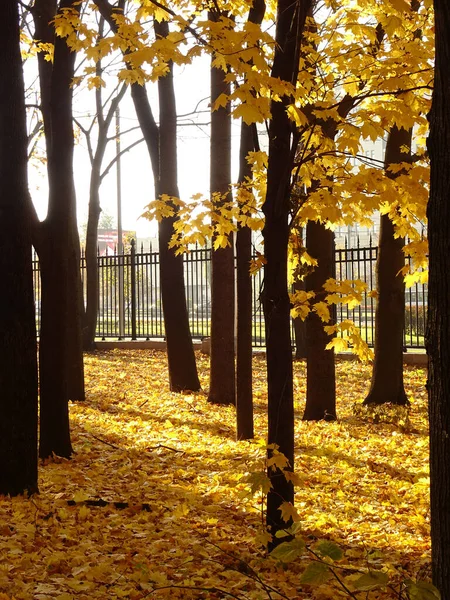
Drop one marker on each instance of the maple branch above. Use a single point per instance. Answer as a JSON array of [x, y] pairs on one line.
[[359, 99], [213, 590], [248, 570], [105, 442], [107, 11], [117, 156], [163, 446], [124, 132], [87, 135]]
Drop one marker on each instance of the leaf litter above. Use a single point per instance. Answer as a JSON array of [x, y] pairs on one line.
[[155, 502]]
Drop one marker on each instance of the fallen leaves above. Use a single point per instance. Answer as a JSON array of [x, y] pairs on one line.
[[362, 485]]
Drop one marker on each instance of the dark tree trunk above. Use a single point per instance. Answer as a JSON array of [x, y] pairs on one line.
[[387, 375], [18, 366], [244, 350], [182, 368], [290, 24], [321, 378], [180, 352], [244, 396], [43, 12], [222, 373], [91, 249], [60, 348], [438, 333], [91, 252]]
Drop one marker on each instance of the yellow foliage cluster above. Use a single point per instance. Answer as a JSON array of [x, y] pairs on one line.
[[361, 482], [364, 67]]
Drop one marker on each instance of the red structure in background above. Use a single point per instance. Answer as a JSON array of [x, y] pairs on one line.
[[108, 240]]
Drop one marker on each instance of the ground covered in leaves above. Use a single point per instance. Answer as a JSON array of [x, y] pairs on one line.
[[188, 527]]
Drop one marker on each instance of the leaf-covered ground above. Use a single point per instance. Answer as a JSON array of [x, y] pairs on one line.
[[364, 486]]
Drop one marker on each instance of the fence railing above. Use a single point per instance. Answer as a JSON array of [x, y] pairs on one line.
[[129, 302]]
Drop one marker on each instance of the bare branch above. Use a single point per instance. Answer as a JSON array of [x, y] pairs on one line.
[[121, 153]]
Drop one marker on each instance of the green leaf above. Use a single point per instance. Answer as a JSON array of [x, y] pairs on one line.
[[292, 530], [288, 551], [371, 581], [330, 549], [422, 591], [259, 482], [315, 573]]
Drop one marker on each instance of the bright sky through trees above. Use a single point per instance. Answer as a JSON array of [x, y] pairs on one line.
[[192, 89]]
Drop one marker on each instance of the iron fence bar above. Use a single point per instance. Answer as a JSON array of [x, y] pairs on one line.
[[143, 307], [133, 290]]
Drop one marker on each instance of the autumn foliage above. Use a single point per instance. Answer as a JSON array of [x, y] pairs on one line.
[[185, 523]]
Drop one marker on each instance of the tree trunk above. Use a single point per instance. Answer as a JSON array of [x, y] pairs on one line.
[[180, 351], [321, 377], [92, 284], [244, 350], [43, 11], [60, 348], [438, 331], [387, 374], [91, 254], [276, 303], [222, 373], [244, 396], [18, 366]]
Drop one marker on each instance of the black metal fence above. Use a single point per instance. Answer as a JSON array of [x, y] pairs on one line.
[[130, 299]]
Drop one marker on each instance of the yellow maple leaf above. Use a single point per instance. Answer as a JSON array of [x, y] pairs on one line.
[[288, 512]]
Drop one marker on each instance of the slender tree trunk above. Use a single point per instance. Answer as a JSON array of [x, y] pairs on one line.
[[244, 396], [321, 378], [438, 333], [180, 352], [43, 12], [18, 366], [182, 367], [222, 373], [60, 348], [387, 374], [91, 252], [290, 24]]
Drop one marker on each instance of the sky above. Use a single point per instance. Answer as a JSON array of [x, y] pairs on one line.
[[192, 90]]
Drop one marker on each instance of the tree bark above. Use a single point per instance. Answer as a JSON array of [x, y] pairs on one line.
[[321, 377], [91, 252], [244, 395], [43, 12], [180, 352], [18, 365], [222, 372], [438, 331], [182, 367], [387, 374], [60, 347], [276, 303], [244, 350]]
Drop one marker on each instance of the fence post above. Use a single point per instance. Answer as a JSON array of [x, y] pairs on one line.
[[133, 289]]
